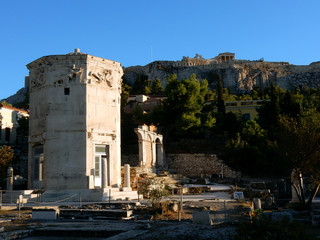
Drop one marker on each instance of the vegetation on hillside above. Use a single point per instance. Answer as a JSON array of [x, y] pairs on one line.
[[285, 136]]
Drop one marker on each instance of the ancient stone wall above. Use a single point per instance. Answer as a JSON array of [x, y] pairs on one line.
[[195, 165]]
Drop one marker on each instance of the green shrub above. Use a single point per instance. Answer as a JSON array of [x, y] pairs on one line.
[[153, 189]]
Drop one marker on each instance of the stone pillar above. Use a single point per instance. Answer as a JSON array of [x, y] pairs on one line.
[[160, 155], [257, 203], [126, 175], [104, 172], [154, 154], [10, 179], [142, 152], [126, 178]]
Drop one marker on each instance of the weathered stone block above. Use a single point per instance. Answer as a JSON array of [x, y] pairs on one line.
[[44, 214], [202, 218], [238, 195]]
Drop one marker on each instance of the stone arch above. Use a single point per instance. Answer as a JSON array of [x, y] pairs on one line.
[[150, 148]]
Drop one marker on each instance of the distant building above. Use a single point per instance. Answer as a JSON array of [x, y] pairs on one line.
[[199, 60], [9, 117], [247, 109], [223, 57], [147, 103]]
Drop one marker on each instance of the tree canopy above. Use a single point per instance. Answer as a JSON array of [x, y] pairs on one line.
[[156, 87], [185, 101], [299, 142], [6, 157]]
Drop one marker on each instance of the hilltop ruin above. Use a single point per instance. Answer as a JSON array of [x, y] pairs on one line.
[[237, 75]]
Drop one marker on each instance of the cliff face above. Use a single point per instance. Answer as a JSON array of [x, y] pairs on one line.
[[237, 75]]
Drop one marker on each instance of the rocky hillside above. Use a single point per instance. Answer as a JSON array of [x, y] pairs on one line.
[[237, 75], [17, 98]]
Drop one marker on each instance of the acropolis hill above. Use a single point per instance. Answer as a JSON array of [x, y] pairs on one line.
[[237, 75]]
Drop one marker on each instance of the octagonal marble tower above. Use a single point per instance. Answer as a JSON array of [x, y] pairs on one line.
[[74, 132]]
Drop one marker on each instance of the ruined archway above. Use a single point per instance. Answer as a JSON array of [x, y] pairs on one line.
[[150, 147]]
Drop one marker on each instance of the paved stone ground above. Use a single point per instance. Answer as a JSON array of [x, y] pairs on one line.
[[225, 213], [141, 230], [152, 230], [220, 211], [187, 230]]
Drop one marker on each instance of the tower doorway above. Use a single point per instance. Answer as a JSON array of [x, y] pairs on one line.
[[101, 166]]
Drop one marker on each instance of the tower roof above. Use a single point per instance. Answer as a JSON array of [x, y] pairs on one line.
[[76, 55]]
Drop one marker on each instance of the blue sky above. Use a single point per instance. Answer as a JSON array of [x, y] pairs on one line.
[[127, 30]]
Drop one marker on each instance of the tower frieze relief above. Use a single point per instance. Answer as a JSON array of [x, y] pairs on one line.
[[38, 77], [73, 73], [104, 76]]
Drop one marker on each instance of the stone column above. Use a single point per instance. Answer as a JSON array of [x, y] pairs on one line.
[[160, 155], [154, 154], [10, 179], [127, 178], [257, 203], [142, 153], [126, 175], [104, 168]]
